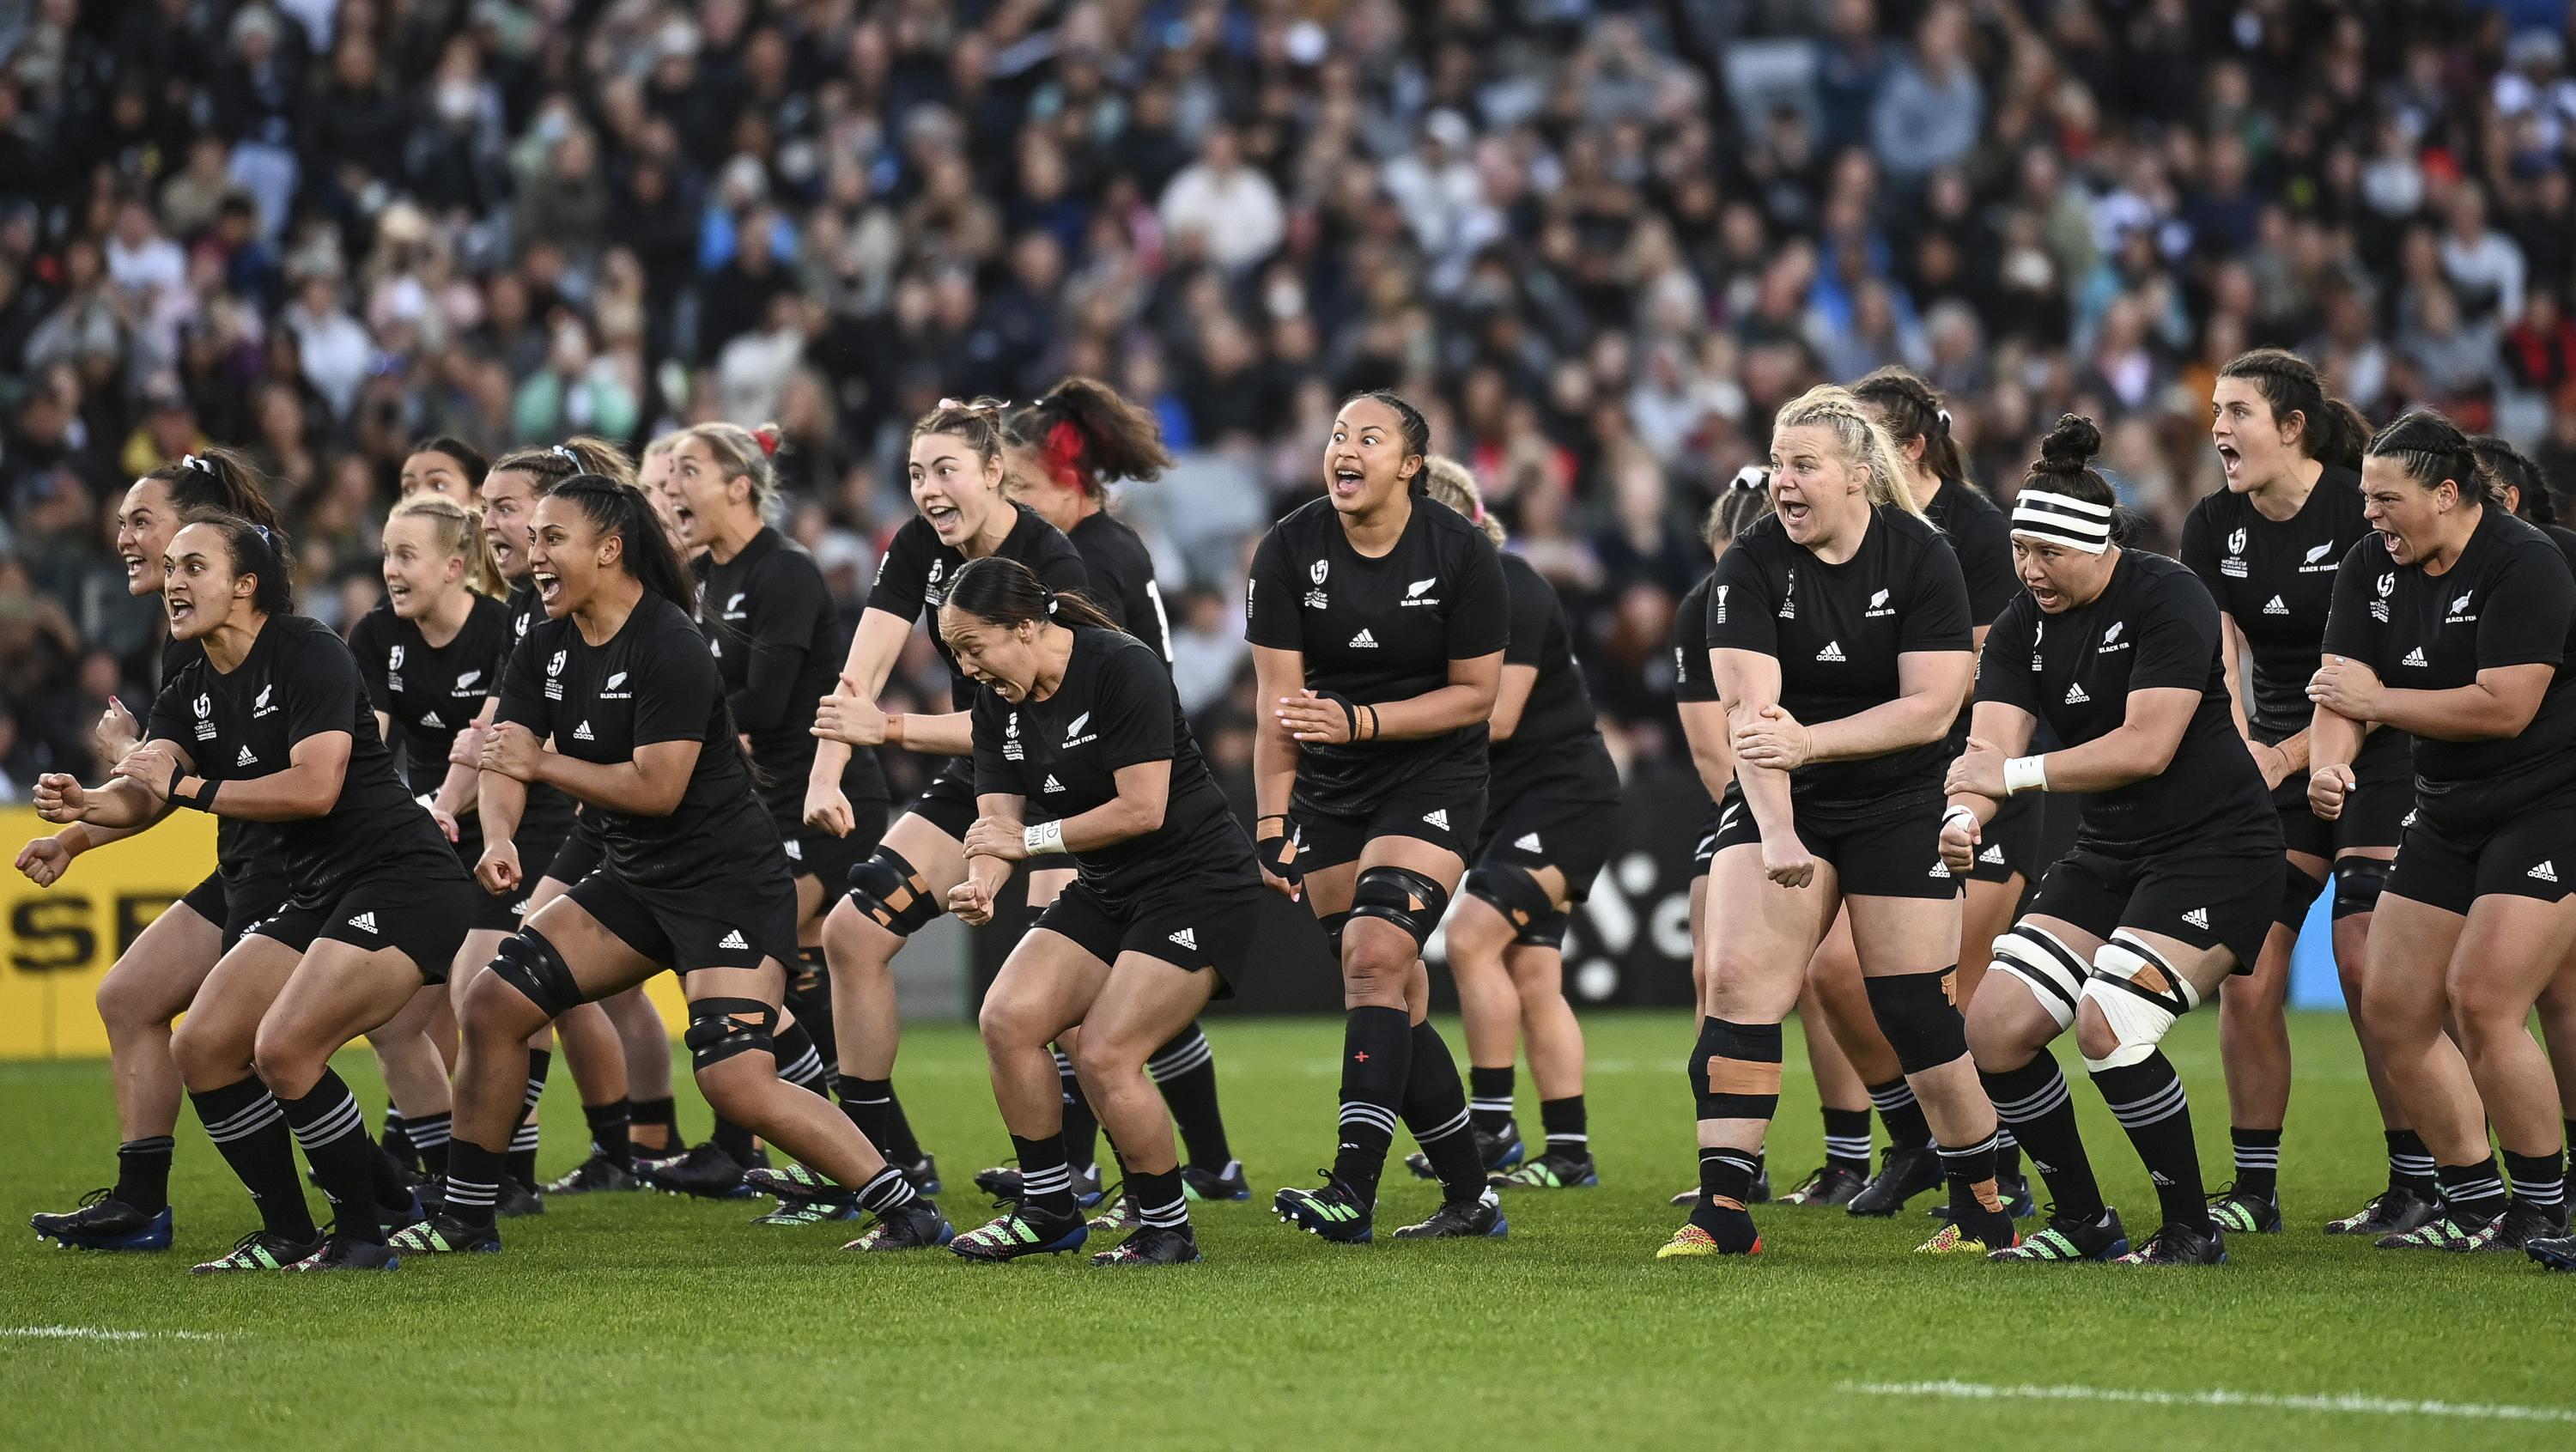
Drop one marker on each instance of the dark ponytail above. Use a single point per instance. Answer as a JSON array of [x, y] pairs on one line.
[[252, 549], [218, 480], [1087, 435], [2430, 448], [2331, 431], [2511, 469], [622, 510], [1908, 409], [1008, 594], [1416, 429], [476, 465]]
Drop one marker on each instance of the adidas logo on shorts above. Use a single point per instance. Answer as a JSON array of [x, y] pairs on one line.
[[1994, 853], [733, 939], [1940, 868], [795, 851], [1528, 843], [582, 732], [1437, 817], [519, 909], [1186, 939], [2198, 918], [1833, 651], [364, 922], [2075, 694], [2414, 657], [2545, 872], [246, 758]]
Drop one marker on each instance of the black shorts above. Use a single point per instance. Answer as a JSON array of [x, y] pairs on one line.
[[2010, 845], [948, 803], [815, 853], [1704, 842], [2517, 858], [496, 914], [1895, 852], [576, 857], [1445, 812], [1190, 924], [1560, 824], [422, 914], [2209, 900], [2374, 815], [735, 924], [234, 904]]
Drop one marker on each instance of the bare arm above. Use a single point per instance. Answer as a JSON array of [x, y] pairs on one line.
[[1511, 699], [1466, 700], [2497, 707], [1747, 682], [2141, 746], [309, 787], [1704, 727], [2008, 730], [650, 785], [874, 647], [1276, 673]]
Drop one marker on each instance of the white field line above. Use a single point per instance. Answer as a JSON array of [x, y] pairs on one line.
[[98, 1333], [2340, 1402]]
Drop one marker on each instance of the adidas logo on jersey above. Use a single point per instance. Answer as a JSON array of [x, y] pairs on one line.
[[1052, 784], [1833, 651], [2545, 872], [1528, 843], [1187, 939], [246, 759], [582, 732], [795, 851], [1364, 641], [430, 718], [2198, 918], [733, 939], [1994, 853], [2414, 657], [1437, 817], [2274, 606], [2075, 693], [364, 922]]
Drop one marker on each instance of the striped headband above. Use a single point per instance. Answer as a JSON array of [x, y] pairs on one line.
[[2061, 519]]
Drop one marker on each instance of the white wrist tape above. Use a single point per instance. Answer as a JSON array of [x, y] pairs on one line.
[[2025, 774], [1044, 839], [1961, 811]]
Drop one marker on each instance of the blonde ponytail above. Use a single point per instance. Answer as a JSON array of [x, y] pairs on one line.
[[1447, 480], [1859, 442]]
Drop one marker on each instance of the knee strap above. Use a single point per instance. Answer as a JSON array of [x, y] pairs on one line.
[[1401, 896], [1547, 932], [1514, 893], [530, 964], [1734, 1070], [2298, 893], [1332, 924], [893, 891], [2139, 996], [2054, 971], [2358, 884], [720, 1028], [1921, 1022]]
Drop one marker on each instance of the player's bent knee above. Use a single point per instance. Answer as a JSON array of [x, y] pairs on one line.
[[530, 964], [723, 1028], [2054, 973], [1402, 898], [1914, 1011], [2137, 996], [1525, 906], [2358, 883], [890, 892]]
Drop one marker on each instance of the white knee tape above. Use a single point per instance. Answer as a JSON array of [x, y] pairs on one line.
[[2053, 971], [2139, 996]]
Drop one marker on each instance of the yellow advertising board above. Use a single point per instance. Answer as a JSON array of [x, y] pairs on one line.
[[60, 940]]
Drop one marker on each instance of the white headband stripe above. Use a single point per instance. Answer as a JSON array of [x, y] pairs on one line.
[[2062, 520]]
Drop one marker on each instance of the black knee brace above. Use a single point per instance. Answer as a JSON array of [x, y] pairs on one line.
[[1734, 1069], [1401, 896], [2358, 883], [720, 1028], [2298, 894], [893, 891], [1921, 1023], [1332, 924], [530, 964], [1514, 893], [1547, 932]]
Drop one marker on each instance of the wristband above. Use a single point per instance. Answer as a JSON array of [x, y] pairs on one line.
[[1043, 839], [2025, 774], [178, 774], [1961, 809], [1350, 713], [201, 800], [1372, 720]]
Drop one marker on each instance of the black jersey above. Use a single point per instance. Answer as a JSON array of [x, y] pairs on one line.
[[2508, 600], [1114, 708], [650, 682], [777, 645], [299, 680], [1691, 680], [431, 691], [913, 578], [1378, 630], [1558, 735], [548, 814], [1837, 631], [1982, 537], [1122, 580], [242, 848], [2153, 627]]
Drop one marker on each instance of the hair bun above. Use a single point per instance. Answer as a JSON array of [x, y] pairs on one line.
[[2069, 447]]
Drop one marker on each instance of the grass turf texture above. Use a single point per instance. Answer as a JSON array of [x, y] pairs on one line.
[[647, 1321]]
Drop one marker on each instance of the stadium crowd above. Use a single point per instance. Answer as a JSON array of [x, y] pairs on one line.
[[1601, 242]]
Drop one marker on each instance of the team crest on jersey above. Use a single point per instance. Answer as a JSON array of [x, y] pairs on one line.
[[1417, 593], [1073, 732], [554, 675], [259, 705], [2111, 640], [733, 608], [466, 681], [2233, 567], [2320, 560], [2460, 612], [205, 708], [519, 627], [2379, 608], [613, 689], [1011, 748], [1316, 599], [1878, 605], [393, 668], [931, 594]]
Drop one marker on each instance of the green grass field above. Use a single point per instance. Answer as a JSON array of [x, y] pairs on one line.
[[649, 1322]]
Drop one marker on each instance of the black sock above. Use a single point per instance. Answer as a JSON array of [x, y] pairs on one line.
[[2472, 1194], [887, 1190], [662, 1114], [1081, 1126], [391, 1180], [1847, 1139], [523, 1143], [1976, 1207], [1568, 1128], [1377, 1056], [809, 993], [429, 1135], [2258, 1160], [1159, 1199], [1489, 1097], [2007, 1154], [1046, 1177], [2147, 1098], [249, 1129], [899, 1144], [2034, 1101], [1185, 1070], [396, 1141], [2410, 1164], [864, 1103], [473, 1181], [609, 1137], [1435, 1110], [733, 1139], [1725, 1187], [333, 1131], [143, 1174], [799, 1062], [2539, 1181], [1897, 1109]]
